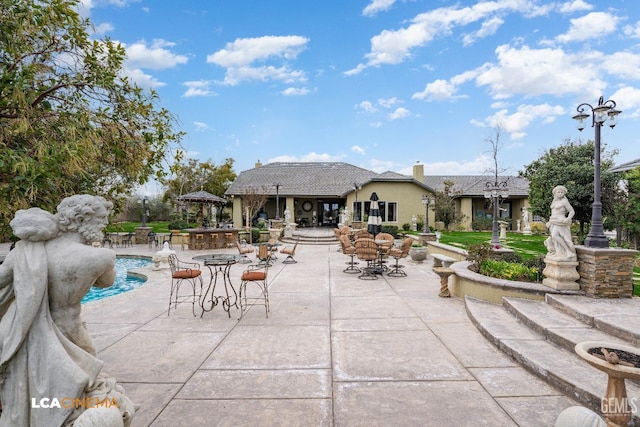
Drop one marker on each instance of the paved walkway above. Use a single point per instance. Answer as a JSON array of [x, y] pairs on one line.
[[335, 350]]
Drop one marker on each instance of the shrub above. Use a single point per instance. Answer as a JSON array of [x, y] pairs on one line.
[[512, 257], [479, 253], [178, 224], [255, 235], [481, 224], [508, 270], [391, 229], [406, 226], [538, 264]]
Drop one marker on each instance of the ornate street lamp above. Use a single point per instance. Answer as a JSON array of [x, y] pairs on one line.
[[599, 114], [426, 201], [496, 191], [277, 185]]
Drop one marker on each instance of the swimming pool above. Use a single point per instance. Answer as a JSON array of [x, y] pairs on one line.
[[122, 283]]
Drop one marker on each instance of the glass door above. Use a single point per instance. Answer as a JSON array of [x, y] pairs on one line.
[[330, 213]]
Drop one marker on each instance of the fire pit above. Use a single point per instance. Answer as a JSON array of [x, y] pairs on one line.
[[618, 362]]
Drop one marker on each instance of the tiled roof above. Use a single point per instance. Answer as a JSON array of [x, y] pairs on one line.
[[623, 167], [302, 179], [474, 185]]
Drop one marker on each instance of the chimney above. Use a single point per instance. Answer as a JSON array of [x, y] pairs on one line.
[[258, 164], [418, 172]]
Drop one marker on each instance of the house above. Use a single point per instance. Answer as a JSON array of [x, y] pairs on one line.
[[315, 193]]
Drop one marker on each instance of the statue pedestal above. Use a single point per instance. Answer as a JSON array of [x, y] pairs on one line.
[[562, 275], [606, 272], [161, 258]]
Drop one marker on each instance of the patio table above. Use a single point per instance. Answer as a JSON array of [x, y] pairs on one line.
[[218, 265]]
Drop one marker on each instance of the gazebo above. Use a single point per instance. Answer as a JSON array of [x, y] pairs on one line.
[[203, 198]]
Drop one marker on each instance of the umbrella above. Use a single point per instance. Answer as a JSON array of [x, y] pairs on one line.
[[202, 197], [374, 223]]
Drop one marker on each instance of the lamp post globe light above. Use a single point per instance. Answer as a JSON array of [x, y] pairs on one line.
[[426, 201], [496, 191], [605, 110]]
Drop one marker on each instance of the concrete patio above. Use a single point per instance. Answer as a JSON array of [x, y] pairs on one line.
[[335, 350]]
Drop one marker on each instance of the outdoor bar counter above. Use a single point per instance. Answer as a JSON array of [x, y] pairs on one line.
[[212, 242]]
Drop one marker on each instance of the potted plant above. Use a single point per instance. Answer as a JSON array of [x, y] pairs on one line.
[[418, 253]]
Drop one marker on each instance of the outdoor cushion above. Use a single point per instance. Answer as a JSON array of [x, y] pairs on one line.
[[253, 275], [186, 274]]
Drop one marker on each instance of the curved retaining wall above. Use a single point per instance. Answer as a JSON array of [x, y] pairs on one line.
[[466, 282]]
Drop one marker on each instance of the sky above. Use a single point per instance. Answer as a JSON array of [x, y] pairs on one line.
[[382, 84]]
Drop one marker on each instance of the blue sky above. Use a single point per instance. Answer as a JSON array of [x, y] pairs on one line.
[[382, 84]]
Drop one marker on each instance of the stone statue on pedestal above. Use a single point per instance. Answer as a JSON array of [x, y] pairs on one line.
[[46, 353], [561, 260]]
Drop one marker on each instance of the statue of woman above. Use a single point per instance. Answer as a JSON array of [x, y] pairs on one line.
[[559, 243]]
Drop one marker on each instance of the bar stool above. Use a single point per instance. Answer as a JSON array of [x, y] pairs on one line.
[[214, 241], [228, 240], [198, 241]]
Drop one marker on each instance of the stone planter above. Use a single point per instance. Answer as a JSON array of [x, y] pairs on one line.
[[418, 254]]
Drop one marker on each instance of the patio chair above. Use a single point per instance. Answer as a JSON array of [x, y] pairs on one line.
[[255, 274], [127, 240], [263, 254], [243, 251], [273, 247], [289, 252], [363, 234], [398, 254], [182, 271], [367, 251], [350, 250], [153, 239]]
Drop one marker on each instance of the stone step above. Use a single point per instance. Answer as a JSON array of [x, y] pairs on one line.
[[619, 317], [524, 340], [556, 326]]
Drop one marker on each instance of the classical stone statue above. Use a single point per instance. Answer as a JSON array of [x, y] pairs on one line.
[[559, 243], [287, 216], [46, 353]]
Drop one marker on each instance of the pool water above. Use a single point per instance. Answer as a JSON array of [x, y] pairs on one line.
[[122, 283]]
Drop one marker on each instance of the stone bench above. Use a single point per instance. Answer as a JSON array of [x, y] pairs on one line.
[[440, 260]]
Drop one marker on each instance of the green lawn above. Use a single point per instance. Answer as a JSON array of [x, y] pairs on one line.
[[124, 226], [528, 246]]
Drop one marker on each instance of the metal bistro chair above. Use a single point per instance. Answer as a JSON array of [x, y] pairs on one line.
[[289, 252], [367, 251], [153, 239], [181, 271], [127, 240], [398, 254], [255, 274]]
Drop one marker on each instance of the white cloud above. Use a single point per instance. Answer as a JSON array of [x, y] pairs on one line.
[[477, 166], [367, 106], [574, 6], [375, 124], [358, 150], [399, 113], [395, 46], [103, 28], [197, 88], [632, 31], [439, 90], [517, 122], [142, 79], [380, 166], [295, 91], [309, 157], [377, 6], [388, 103], [239, 56], [591, 26], [154, 56], [628, 100], [200, 126], [488, 28]]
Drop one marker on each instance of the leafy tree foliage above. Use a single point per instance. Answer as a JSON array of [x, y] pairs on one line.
[[445, 206], [69, 121], [195, 176], [571, 165]]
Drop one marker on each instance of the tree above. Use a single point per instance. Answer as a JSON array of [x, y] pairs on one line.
[[70, 122], [445, 206], [195, 176], [253, 199], [571, 165]]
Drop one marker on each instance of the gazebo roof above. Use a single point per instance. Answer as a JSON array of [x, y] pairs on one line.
[[201, 197]]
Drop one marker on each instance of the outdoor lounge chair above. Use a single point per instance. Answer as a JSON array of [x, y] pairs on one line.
[[289, 252], [184, 271], [243, 251], [398, 254], [255, 274]]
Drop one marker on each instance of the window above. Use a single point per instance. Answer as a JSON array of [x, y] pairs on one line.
[[392, 212], [388, 210]]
